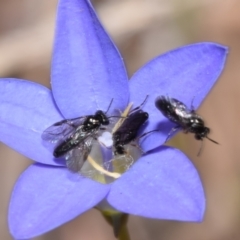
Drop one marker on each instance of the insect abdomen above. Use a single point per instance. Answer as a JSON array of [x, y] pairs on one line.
[[65, 147]]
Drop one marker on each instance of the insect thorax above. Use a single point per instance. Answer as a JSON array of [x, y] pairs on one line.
[[101, 116]]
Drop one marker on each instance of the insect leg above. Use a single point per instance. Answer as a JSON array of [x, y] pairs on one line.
[[200, 149], [144, 134], [138, 147], [137, 139], [174, 129]]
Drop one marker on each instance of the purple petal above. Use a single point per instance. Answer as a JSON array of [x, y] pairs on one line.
[[87, 69], [46, 197], [163, 185], [26, 110], [187, 74]]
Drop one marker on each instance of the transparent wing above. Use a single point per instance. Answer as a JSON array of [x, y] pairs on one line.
[[92, 174], [119, 163], [61, 130], [76, 157]]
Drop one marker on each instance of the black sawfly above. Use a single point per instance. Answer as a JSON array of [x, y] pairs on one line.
[[129, 129], [74, 137], [184, 118]]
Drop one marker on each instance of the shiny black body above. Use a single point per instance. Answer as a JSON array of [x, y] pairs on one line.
[[74, 138], [75, 134], [128, 131], [89, 126], [186, 119]]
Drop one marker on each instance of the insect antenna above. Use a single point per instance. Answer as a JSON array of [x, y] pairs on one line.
[[145, 134], [192, 108], [136, 108], [109, 106], [212, 140]]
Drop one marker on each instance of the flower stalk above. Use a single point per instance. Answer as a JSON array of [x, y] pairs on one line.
[[118, 221]]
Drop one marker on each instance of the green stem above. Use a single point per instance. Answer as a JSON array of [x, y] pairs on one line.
[[123, 233], [119, 223]]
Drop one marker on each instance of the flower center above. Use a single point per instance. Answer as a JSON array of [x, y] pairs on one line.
[[103, 163]]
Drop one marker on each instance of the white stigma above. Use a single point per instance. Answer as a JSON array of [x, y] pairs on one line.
[[106, 139]]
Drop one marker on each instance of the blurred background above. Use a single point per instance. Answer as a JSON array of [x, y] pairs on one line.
[[142, 29]]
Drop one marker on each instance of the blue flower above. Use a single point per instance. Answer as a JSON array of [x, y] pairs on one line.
[[87, 72]]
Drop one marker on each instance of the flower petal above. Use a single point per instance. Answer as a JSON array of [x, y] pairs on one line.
[[162, 185], [26, 110], [186, 73], [87, 69], [46, 197]]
